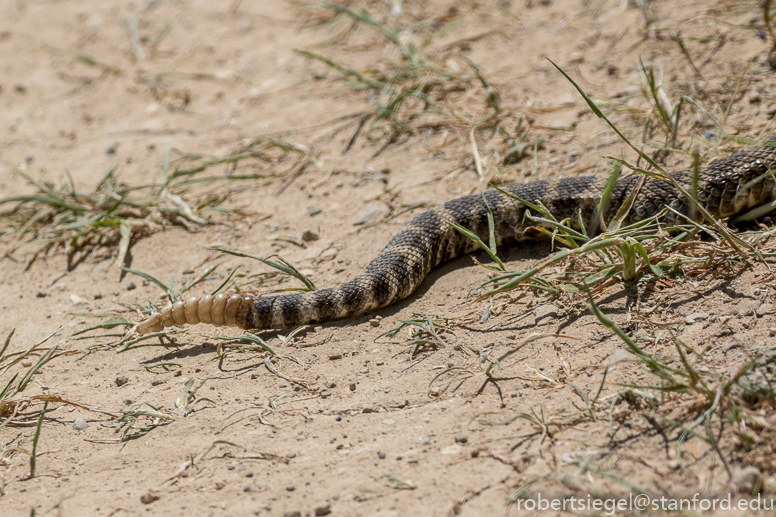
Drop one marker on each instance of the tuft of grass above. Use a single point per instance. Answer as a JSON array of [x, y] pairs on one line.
[[113, 215], [417, 85], [425, 333]]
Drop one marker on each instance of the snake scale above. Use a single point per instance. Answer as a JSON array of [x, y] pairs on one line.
[[726, 187]]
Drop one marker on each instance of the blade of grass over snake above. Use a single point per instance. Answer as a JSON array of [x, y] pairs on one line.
[[283, 266]]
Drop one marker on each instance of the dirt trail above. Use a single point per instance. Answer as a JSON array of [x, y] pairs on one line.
[[345, 418]]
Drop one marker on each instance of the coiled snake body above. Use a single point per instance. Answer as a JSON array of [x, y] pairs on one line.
[[726, 187]]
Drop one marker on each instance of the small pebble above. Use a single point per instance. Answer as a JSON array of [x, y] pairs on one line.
[[374, 322], [755, 97], [98, 296], [352, 386], [334, 357], [127, 402], [121, 380], [111, 149], [434, 392], [771, 110], [331, 384], [79, 424], [750, 481], [249, 474], [157, 382], [372, 213], [131, 286], [730, 346], [41, 294], [691, 318], [148, 498], [309, 235], [618, 355], [315, 211], [461, 438], [290, 488], [188, 271], [294, 513], [545, 313], [381, 455], [324, 509], [338, 418]]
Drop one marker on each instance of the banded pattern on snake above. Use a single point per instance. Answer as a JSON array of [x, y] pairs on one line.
[[726, 187]]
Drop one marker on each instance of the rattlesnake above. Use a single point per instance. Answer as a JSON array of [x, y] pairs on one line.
[[726, 187]]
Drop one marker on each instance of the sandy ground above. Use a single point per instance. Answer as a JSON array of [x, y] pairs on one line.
[[89, 85]]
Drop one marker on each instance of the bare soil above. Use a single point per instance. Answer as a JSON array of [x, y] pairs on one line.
[[373, 435]]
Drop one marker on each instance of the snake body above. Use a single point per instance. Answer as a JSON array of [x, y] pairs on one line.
[[725, 187]]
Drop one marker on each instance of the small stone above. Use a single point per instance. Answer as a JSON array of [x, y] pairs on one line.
[[77, 300], [771, 332], [314, 211], [324, 509], [220, 485], [291, 455], [98, 296], [691, 318], [334, 357], [389, 422], [750, 481], [381, 455], [374, 322], [331, 384], [338, 418], [121, 380], [157, 382], [461, 438], [372, 213], [293, 513], [452, 449], [41, 294], [434, 392], [618, 355], [188, 271], [754, 97], [545, 313], [771, 110], [730, 346], [79, 424], [249, 474], [352, 386], [131, 286], [148, 498], [309, 235], [290, 488]]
